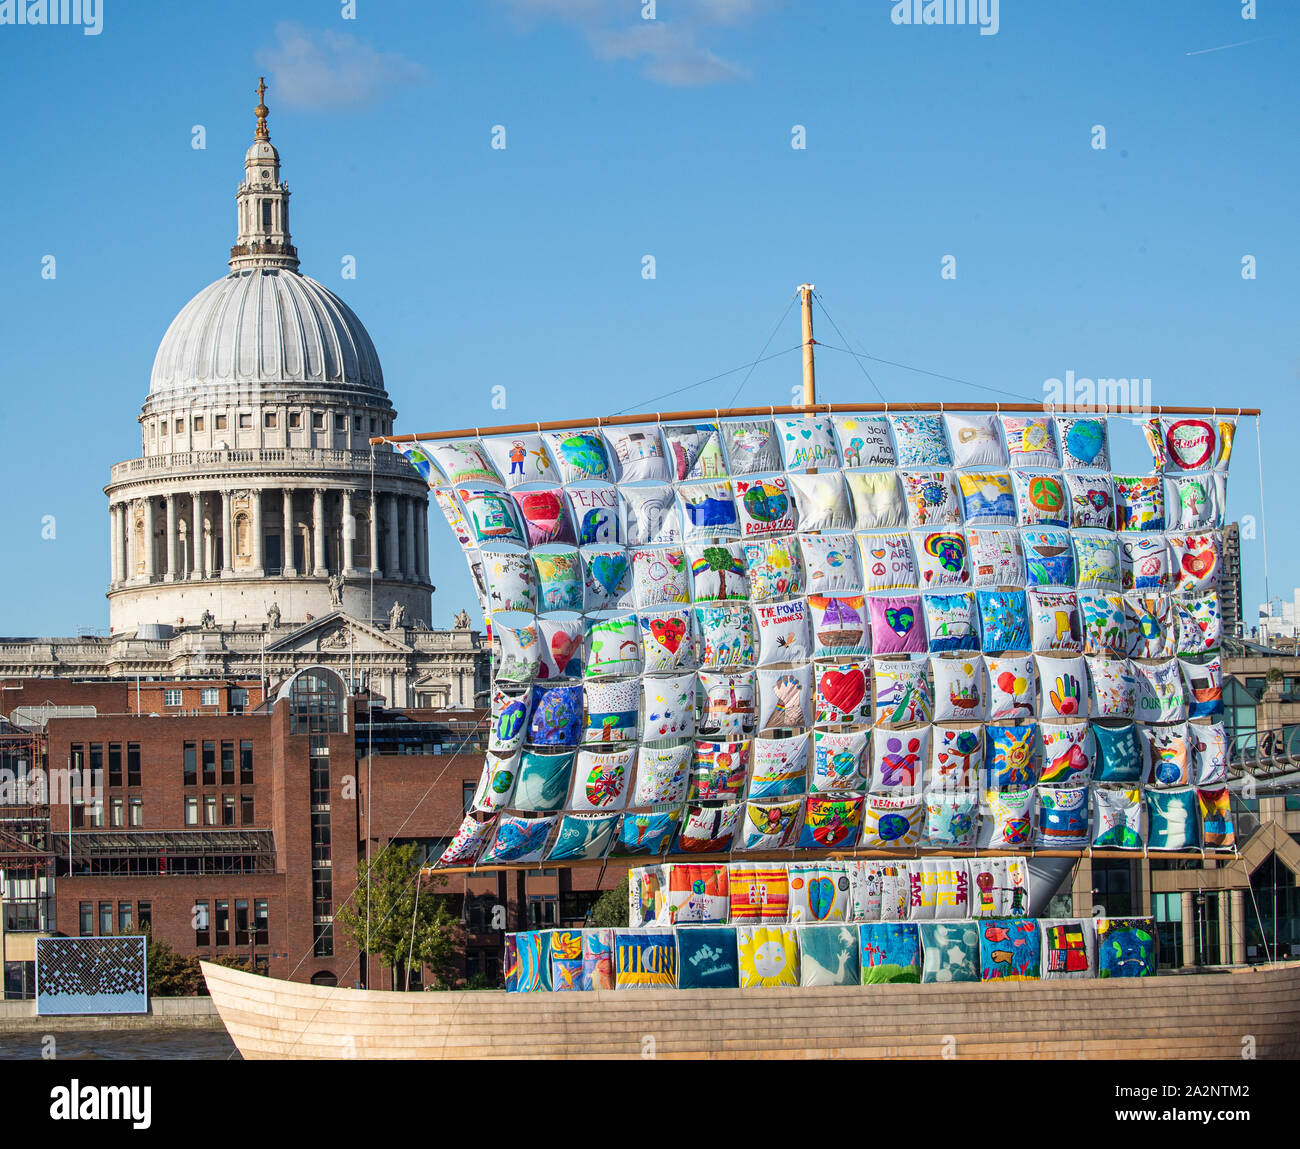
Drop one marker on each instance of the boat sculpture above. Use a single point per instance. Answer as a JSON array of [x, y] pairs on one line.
[[852, 688]]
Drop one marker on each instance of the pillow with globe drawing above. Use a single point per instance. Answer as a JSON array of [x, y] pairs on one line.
[[579, 455], [897, 625], [1083, 443]]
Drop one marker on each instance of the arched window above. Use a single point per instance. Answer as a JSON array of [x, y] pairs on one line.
[[324, 977], [243, 536], [316, 702]]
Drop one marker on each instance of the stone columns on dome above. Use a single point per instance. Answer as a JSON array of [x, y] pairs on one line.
[[412, 566], [196, 534], [150, 553], [393, 567], [290, 570], [259, 545], [422, 536], [114, 540], [374, 535], [349, 531], [318, 533], [169, 566], [227, 567]]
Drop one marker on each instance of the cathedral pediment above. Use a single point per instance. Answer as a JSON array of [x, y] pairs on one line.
[[338, 631]]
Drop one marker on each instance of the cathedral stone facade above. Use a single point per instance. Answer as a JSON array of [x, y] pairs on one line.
[[257, 516]]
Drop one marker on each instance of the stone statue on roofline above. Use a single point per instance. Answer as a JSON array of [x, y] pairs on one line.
[[396, 616], [462, 620]]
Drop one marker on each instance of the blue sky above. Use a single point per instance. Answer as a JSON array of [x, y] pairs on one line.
[[625, 137]]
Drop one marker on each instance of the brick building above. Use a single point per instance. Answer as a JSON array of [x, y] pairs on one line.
[[233, 824]]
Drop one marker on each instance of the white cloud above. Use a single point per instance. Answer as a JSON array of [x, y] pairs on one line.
[[669, 53], [331, 69], [669, 48]]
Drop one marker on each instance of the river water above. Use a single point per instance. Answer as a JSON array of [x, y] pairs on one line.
[[120, 1045]]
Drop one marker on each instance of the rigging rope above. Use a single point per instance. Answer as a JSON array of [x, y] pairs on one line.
[[763, 351], [710, 379]]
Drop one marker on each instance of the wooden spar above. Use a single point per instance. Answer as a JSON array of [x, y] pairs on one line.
[[827, 408], [809, 376], [768, 856]]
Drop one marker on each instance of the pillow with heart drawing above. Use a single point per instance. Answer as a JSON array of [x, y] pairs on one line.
[[560, 647], [819, 892], [1196, 562], [956, 758], [887, 562], [843, 694], [897, 625], [545, 515], [807, 441], [608, 577], [1092, 500], [665, 641]]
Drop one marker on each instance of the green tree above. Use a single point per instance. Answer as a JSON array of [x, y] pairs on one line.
[[610, 909], [170, 974], [402, 925]]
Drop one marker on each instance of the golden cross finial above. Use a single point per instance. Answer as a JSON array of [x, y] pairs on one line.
[[261, 110]]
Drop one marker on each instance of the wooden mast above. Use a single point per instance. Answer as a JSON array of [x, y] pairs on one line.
[[809, 375]]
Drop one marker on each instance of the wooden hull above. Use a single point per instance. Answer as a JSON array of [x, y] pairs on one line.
[[1167, 1018]]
